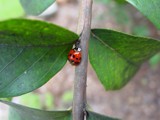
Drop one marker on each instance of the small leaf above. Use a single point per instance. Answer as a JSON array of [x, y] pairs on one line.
[[34, 100], [120, 1], [116, 56], [19, 112], [95, 116], [10, 9], [35, 7], [155, 60], [150, 8], [32, 52]]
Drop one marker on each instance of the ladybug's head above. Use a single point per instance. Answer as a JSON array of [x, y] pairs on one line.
[[77, 46], [77, 49]]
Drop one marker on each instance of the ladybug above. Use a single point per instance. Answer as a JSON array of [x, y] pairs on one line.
[[74, 56]]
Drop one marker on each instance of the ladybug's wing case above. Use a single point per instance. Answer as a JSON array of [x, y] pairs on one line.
[[74, 57]]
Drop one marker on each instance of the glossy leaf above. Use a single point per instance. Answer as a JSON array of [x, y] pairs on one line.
[[19, 112], [10, 9], [96, 116], [150, 8], [120, 1], [116, 56], [32, 52], [35, 7]]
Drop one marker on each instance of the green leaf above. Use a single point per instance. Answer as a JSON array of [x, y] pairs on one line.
[[35, 7], [150, 8], [95, 116], [10, 9], [19, 112], [120, 1], [31, 53], [155, 60], [116, 56]]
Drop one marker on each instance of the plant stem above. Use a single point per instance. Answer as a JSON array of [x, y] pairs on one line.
[[79, 100]]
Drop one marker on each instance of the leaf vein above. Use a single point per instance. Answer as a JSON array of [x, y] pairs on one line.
[[11, 61], [24, 71], [105, 44], [52, 65]]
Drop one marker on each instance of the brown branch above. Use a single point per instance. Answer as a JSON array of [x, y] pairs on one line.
[[79, 100]]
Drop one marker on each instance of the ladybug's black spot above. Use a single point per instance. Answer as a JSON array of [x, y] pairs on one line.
[[76, 58], [73, 56], [70, 54], [76, 63]]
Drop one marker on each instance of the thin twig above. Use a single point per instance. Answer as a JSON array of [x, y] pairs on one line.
[[79, 100]]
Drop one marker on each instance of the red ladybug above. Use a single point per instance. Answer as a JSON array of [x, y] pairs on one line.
[[74, 56]]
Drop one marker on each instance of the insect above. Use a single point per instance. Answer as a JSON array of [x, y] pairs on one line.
[[74, 55]]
